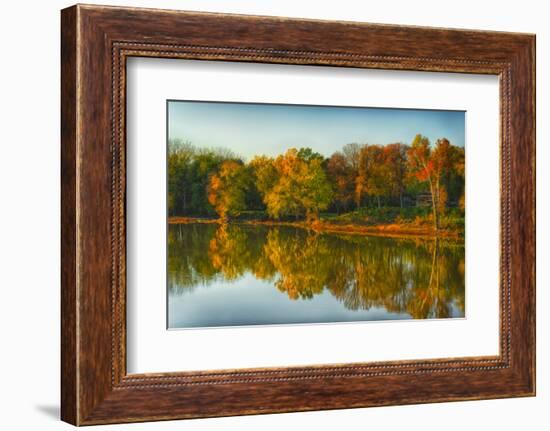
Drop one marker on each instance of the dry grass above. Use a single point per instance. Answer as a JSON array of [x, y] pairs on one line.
[[389, 229], [187, 220]]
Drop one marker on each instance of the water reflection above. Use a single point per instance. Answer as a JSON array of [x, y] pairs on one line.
[[397, 278]]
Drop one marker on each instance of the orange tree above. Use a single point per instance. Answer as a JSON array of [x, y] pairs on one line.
[[430, 165]]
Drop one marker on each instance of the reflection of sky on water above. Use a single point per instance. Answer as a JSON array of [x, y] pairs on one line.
[[249, 301]]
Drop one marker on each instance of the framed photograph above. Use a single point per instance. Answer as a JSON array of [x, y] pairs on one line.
[[263, 214]]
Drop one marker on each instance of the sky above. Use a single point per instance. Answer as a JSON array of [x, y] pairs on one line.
[[270, 129]]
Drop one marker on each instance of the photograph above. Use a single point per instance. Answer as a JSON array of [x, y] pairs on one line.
[[300, 214]]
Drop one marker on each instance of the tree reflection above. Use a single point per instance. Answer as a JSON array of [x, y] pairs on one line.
[[423, 278]]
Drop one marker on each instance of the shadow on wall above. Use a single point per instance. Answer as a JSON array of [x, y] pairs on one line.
[[52, 411]]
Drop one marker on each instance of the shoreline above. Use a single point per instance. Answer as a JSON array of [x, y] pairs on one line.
[[391, 230]]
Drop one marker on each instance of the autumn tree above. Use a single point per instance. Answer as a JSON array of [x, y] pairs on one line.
[[395, 161], [372, 176], [227, 189], [293, 186], [422, 167], [431, 165], [460, 172], [453, 175], [351, 154], [342, 178], [378, 184], [264, 172], [363, 169], [189, 171], [446, 158]]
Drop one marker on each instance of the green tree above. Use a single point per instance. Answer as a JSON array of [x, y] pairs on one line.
[[307, 155], [180, 156], [189, 170]]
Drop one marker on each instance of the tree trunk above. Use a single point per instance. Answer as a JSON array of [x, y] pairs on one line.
[[437, 194], [434, 207]]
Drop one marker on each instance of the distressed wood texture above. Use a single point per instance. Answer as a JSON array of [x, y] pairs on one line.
[[95, 43]]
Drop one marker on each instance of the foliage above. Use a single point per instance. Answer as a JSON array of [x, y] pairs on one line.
[[227, 189], [189, 170], [341, 175], [302, 187], [302, 183], [436, 166], [265, 173], [372, 177], [395, 160], [294, 184]]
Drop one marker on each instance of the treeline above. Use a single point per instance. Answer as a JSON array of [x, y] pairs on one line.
[[302, 183]]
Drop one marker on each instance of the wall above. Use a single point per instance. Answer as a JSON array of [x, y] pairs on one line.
[[29, 217]]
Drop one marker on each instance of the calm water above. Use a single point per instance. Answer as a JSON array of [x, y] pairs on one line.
[[252, 275]]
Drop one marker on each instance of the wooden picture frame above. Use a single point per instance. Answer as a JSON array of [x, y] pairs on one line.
[[95, 43]]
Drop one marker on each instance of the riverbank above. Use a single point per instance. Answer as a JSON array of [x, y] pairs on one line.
[[394, 230]]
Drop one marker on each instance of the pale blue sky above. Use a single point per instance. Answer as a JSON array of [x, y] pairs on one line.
[[270, 129]]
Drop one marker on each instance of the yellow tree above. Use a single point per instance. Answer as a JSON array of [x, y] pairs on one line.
[[227, 189], [264, 172], [302, 187]]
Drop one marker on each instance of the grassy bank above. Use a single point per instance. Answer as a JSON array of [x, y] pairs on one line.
[[392, 222]]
